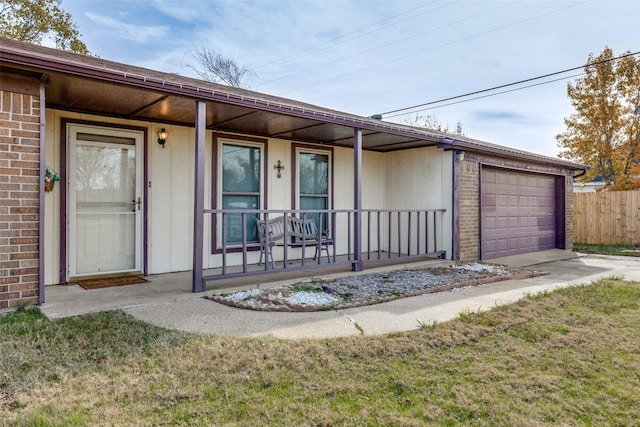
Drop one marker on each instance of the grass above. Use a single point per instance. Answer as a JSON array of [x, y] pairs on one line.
[[621, 250], [569, 357], [305, 287]]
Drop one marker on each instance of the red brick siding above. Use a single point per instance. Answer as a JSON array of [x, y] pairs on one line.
[[19, 198], [568, 213], [469, 211]]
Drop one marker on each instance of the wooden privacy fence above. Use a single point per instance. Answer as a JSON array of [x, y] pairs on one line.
[[607, 217]]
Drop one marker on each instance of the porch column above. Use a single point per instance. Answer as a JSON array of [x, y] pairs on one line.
[[198, 200], [357, 201]]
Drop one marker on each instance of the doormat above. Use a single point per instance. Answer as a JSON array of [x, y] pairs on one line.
[[110, 282]]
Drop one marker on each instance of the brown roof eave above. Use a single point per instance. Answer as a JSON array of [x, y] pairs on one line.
[[43, 59], [170, 85], [467, 144]]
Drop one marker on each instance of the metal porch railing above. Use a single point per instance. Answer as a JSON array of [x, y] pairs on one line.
[[386, 235]]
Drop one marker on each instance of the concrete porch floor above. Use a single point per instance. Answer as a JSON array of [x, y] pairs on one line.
[[73, 300], [168, 302]]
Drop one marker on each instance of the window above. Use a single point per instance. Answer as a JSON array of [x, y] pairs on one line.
[[241, 188], [314, 168]]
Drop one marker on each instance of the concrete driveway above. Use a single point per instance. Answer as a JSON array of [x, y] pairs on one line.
[[203, 316]]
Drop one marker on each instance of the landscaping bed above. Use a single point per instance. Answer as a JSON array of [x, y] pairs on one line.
[[366, 289]]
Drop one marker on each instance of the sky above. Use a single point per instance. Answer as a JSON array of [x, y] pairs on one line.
[[371, 57]]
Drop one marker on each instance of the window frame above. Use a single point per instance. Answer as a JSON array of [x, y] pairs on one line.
[[219, 140]]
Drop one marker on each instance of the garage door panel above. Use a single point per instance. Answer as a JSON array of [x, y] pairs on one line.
[[490, 176], [523, 202], [489, 223], [518, 212], [523, 242], [514, 243], [547, 222]]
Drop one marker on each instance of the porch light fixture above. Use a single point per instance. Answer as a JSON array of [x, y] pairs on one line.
[[163, 135], [459, 155], [279, 167]]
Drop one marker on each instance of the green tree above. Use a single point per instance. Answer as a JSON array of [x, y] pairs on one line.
[[604, 131], [33, 20]]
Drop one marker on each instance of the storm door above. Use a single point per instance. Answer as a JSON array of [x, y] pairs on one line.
[[105, 200]]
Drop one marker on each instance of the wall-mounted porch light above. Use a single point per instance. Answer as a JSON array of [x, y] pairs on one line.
[[279, 167], [459, 155], [163, 135]]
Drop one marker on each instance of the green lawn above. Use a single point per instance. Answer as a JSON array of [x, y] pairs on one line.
[[569, 357], [624, 250]]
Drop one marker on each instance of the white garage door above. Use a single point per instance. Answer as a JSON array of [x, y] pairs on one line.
[[517, 212]]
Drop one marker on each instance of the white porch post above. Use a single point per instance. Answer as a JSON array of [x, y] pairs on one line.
[[357, 201], [198, 200]]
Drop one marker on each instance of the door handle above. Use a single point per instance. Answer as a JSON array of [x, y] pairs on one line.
[[139, 202]]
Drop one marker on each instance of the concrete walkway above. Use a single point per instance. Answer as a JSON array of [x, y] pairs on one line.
[[199, 315]]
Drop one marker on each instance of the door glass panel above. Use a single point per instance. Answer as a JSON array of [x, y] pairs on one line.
[[314, 185], [240, 189], [241, 169], [315, 203], [105, 208], [234, 221], [314, 173]]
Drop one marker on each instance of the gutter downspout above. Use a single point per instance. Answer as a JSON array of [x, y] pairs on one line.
[[584, 171]]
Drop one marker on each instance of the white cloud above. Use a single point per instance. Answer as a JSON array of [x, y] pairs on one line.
[[133, 32], [182, 11]]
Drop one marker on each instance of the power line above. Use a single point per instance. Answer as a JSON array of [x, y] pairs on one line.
[[330, 43], [486, 96], [436, 47], [364, 52], [509, 84]]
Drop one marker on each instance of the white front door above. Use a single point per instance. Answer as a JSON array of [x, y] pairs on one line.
[[105, 200]]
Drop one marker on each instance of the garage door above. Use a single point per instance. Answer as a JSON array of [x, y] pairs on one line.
[[517, 212]]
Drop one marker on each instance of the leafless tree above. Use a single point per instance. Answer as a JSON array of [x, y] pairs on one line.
[[218, 68], [431, 122]]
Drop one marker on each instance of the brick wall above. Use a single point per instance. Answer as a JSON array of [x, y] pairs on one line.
[[468, 211], [569, 212], [19, 198]]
